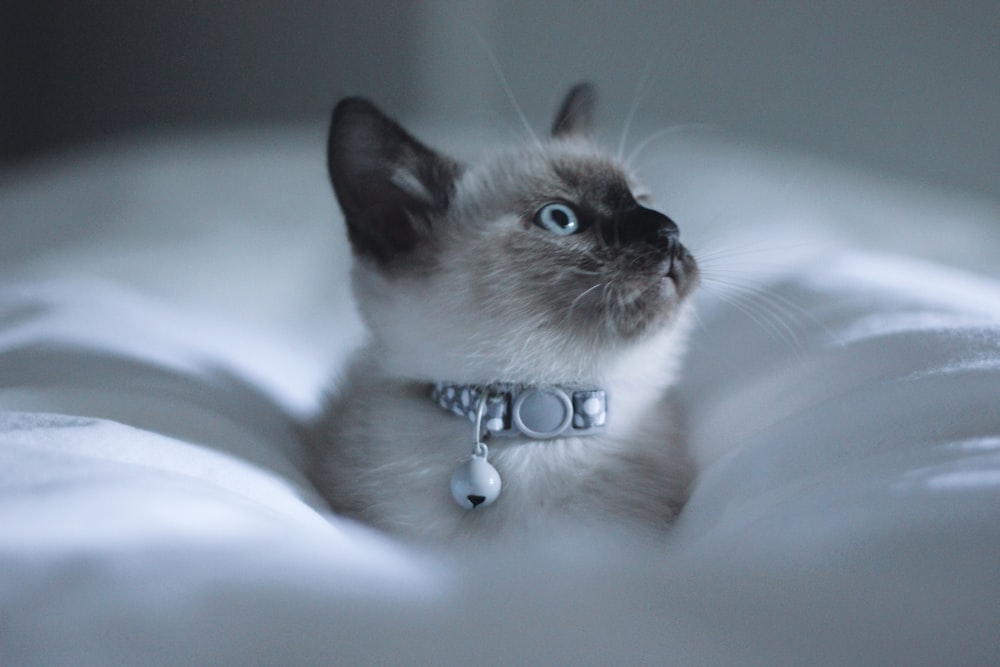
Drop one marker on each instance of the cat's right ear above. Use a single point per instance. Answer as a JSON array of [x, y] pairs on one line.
[[576, 113], [389, 185]]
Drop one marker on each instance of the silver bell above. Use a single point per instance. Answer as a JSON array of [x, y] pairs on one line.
[[475, 483]]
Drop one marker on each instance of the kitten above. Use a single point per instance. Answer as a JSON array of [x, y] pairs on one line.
[[535, 278]]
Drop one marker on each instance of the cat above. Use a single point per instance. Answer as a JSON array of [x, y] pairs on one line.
[[538, 292]]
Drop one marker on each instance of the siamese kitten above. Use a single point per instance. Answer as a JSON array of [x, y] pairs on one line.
[[538, 271]]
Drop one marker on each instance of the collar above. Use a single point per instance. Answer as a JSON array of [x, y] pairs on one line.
[[527, 410]]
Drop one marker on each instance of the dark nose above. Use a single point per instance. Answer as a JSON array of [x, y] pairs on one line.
[[644, 225]]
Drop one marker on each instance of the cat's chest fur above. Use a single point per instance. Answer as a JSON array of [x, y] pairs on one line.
[[538, 266], [389, 452]]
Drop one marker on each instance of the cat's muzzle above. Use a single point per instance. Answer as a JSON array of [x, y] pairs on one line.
[[681, 268], [659, 232]]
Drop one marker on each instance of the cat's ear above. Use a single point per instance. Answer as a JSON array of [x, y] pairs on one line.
[[389, 185], [576, 113]]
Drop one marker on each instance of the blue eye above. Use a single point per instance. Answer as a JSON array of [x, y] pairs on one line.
[[559, 219]]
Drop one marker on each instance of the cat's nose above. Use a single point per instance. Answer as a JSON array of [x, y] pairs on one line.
[[644, 225]]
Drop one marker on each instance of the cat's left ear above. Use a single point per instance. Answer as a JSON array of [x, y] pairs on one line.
[[576, 113], [389, 185]]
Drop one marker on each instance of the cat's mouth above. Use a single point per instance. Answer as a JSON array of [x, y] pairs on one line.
[[654, 298], [657, 297], [674, 277], [680, 272]]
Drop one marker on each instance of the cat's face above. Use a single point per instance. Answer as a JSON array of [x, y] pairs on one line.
[[540, 264]]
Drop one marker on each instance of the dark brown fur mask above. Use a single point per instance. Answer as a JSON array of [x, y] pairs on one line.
[[538, 264]]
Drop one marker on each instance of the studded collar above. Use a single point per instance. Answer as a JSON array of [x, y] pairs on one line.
[[527, 410]]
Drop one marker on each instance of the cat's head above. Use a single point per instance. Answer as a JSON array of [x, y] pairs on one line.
[[541, 263]]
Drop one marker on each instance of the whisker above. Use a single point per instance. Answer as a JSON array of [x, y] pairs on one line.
[[698, 321], [772, 301], [795, 310], [583, 272], [766, 319], [660, 134], [583, 294], [776, 305], [740, 271], [642, 88], [760, 248], [505, 85]]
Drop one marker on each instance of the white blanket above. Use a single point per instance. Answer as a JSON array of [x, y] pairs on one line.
[[168, 309]]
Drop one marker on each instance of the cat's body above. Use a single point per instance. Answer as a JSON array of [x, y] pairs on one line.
[[537, 267]]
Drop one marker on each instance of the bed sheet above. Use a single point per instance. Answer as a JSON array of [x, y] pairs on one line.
[[169, 310]]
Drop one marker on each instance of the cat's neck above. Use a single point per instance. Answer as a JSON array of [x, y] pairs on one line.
[[633, 379]]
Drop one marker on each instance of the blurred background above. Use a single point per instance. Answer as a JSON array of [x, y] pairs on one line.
[[909, 87]]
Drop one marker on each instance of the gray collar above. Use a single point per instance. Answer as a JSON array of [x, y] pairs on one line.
[[527, 410]]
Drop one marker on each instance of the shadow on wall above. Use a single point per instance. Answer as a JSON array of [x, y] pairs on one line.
[[81, 71]]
